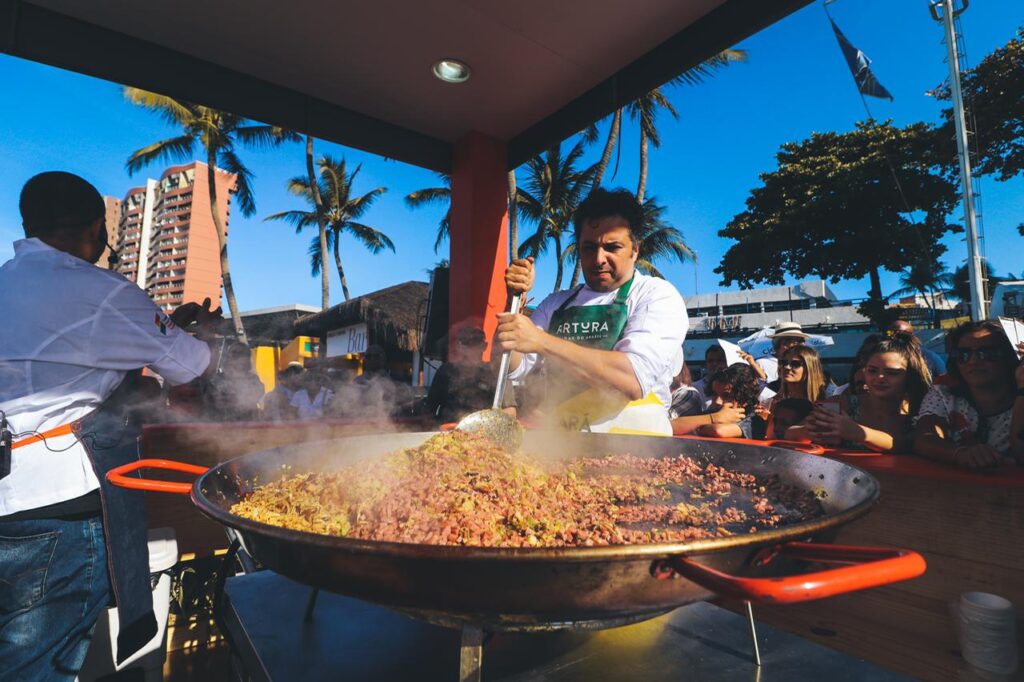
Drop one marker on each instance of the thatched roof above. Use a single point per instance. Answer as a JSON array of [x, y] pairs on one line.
[[392, 316]]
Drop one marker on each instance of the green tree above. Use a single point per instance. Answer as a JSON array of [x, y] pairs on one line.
[[219, 134], [554, 187], [321, 223], [660, 240], [994, 96], [341, 210], [832, 209]]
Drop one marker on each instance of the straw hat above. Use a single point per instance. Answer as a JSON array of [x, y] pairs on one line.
[[789, 330]]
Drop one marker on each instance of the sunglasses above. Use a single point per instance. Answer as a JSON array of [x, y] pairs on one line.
[[793, 364], [983, 354]]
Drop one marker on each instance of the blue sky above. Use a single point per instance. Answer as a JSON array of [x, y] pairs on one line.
[[794, 83]]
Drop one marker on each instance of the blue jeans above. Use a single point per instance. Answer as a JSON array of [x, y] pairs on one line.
[[53, 586]]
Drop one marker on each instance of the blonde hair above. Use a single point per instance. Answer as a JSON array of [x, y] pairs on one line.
[[814, 375]]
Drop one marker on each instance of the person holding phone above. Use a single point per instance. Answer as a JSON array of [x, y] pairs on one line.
[[977, 421], [896, 380]]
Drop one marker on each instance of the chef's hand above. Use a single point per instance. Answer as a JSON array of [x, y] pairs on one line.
[[518, 333], [519, 276], [981, 456], [204, 318]]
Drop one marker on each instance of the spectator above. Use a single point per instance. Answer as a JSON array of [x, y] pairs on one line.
[[786, 335], [312, 397], [936, 365], [714, 361], [277, 404], [735, 391], [465, 383], [879, 419], [687, 401], [234, 392], [802, 375], [855, 384], [788, 412], [977, 420]]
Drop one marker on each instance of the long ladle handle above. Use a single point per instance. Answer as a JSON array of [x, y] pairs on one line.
[[506, 357]]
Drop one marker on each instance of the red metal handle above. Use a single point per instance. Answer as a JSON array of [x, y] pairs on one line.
[[448, 426], [799, 446], [118, 478], [860, 568]]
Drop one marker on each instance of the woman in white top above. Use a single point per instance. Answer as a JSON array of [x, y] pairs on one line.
[[978, 420]]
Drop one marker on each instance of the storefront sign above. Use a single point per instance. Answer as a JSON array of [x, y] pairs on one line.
[[347, 340]]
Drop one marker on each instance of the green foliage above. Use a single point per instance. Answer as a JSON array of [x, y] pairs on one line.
[[994, 96], [660, 240], [431, 196], [961, 287], [832, 209]]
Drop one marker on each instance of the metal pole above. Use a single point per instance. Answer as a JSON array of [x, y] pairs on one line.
[[974, 269], [753, 633]]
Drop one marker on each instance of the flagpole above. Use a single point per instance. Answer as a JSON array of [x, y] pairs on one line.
[[974, 270]]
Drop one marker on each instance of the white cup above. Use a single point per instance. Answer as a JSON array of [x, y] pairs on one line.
[[986, 624]]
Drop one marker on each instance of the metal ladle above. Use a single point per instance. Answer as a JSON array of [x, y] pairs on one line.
[[501, 427]]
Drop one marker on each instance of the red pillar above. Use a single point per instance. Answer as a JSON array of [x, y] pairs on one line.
[[479, 232]]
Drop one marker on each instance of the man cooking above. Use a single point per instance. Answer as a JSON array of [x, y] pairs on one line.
[[612, 344], [75, 339]]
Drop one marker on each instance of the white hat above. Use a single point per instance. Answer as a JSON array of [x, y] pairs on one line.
[[789, 330]]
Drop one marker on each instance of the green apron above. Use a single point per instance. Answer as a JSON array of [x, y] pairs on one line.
[[581, 407]]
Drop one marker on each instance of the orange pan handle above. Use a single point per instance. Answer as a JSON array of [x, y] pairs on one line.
[[117, 476], [448, 426], [799, 446], [858, 568]]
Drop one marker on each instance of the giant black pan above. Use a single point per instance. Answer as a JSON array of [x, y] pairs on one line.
[[528, 588]]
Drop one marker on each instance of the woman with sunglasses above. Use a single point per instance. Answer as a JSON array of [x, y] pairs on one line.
[[975, 422], [802, 375], [896, 379]]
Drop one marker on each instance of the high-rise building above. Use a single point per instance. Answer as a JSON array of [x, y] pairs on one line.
[[112, 219], [167, 238]]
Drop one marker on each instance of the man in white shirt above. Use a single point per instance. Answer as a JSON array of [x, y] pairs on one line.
[[614, 343], [74, 335]]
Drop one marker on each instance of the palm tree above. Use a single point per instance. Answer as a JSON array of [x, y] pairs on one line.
[[218, 133], [341, 210], [432, 196], [659, 239], [321, 223], [554, 187], [962, 287], [926, 276]]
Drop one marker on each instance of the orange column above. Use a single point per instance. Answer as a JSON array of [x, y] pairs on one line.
[[479, 232]]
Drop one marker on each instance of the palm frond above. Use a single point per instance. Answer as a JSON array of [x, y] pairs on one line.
[[315, 257], [229, 161], [373, 239], [262, 137], [173, 111], [298, 219], [428, 197], [358, 206], [174, 149]]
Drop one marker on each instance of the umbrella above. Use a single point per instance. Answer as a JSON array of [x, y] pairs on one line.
[[759, 344]]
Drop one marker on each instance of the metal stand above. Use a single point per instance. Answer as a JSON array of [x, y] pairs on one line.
[[471, 653], [753, 634], [311, 604]]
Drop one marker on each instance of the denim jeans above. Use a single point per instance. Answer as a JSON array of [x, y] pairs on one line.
[[53, 586]]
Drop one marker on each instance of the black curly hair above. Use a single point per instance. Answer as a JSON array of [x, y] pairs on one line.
[[745, 386], [602, 203]]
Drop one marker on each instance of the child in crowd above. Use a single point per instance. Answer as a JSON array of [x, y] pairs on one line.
[[788, 412], [977, 420], [896, 380], [734, 392]]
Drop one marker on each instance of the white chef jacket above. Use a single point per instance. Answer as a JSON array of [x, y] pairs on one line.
[[71, 331], [652, 339]]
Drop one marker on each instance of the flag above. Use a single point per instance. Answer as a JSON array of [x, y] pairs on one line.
[[860, 67]]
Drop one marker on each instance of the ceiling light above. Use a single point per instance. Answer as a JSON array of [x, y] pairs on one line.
[[452, 71]]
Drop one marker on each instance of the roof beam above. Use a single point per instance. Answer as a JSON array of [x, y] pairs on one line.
[[48, 37], [720, 29]]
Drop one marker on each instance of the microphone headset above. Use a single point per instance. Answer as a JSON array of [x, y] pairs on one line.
[[113, 258]]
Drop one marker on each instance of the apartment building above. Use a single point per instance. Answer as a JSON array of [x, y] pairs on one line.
[[167, 237], [112, 220]]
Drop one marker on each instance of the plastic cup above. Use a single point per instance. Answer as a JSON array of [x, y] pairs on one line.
[[986, 625]]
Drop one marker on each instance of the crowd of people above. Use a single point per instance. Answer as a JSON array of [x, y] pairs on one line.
[[899, 397]]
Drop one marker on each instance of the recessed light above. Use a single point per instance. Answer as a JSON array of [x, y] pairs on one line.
[[452, 71]]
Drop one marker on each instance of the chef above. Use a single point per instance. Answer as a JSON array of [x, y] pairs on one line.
[[612, 344], [74, 340]]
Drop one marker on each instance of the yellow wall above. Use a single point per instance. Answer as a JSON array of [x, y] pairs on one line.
[[269, 360]]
